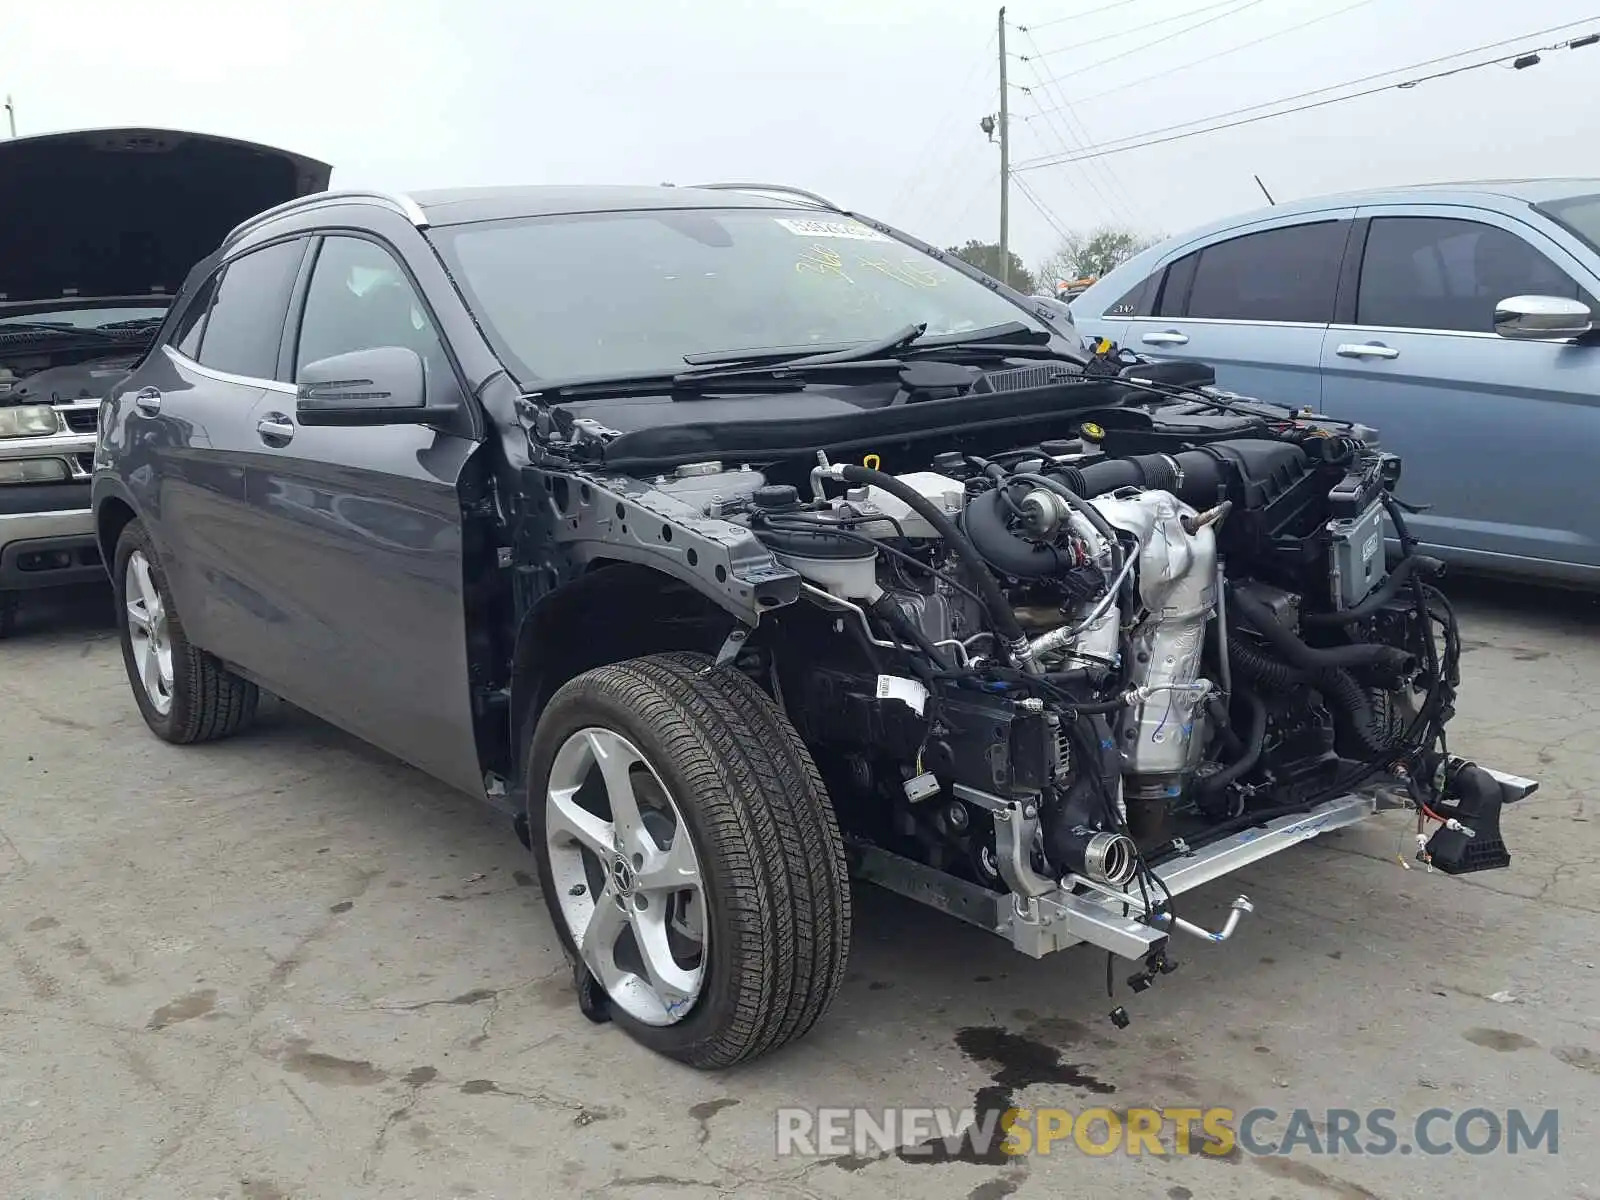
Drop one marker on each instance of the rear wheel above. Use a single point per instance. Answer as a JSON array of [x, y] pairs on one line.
[[9, 603], [183, 693], [689, 857]]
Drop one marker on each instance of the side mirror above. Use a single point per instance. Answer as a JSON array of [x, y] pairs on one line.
[[386, 385], [1537, 318]]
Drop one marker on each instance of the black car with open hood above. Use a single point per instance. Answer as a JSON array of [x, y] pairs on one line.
[[98, 229]]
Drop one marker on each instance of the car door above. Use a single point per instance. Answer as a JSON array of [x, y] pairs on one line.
[[358, 539], [1497, 435], [1252, 304], [190, 418]]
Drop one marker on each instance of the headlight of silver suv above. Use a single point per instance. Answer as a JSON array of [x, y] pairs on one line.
[[28, 420]]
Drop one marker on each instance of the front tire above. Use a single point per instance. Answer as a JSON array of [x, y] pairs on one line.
[[689, 857], [183, 693]]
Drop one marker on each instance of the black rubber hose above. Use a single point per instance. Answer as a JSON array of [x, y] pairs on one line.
[[888, 610], [1090, 513], [985, 520], [1311, 658], [1001, 617], [1223, 725], [1387, 591], [1254, 740], [1250, 660]]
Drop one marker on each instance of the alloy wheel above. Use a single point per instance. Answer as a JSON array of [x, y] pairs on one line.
[[629, 884], [147, 632]]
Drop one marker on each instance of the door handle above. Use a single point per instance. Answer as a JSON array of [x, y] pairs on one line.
[[1169, 337], [1366, 350], [148, 401], [276, 429]]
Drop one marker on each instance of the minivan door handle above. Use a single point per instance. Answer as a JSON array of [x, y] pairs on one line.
[[1167, 337], [148, 401], [276, 429], [1367, 350]]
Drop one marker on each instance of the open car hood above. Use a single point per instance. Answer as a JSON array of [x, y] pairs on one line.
[[127, 212]]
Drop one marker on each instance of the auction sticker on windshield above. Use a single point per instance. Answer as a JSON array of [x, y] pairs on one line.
[[832, 229]]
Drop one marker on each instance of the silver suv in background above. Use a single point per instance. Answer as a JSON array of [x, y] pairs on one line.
[[98, 229], [1455, 319]]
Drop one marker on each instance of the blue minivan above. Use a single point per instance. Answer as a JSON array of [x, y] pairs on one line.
[[1455, 319]]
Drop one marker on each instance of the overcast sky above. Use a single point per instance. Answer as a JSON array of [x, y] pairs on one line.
[[874, 103]]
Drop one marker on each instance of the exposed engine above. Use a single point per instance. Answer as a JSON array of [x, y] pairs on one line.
[[1056, 666]]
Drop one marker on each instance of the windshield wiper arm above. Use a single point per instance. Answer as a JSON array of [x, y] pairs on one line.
[[60, 330], [787, 369], [1011, 333]]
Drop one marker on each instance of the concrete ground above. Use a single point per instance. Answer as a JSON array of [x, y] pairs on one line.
[[288, 966]]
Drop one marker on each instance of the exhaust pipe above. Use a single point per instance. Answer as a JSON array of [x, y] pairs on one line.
[[1100, 857]]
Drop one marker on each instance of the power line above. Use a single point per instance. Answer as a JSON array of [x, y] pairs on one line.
[[1122, 33], [1076, 16], [1042, 208], [1163, 74], [1069, 141], [1154, 137], [1143, 46], [915, 178]]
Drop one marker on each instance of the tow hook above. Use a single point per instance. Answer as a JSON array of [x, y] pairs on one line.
[[1240, 906]]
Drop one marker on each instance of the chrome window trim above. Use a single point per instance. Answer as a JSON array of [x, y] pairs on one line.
[[271, 385], [1229, 321]]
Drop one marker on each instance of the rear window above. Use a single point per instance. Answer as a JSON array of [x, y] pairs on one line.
[[1580, 214], [1286, 274]]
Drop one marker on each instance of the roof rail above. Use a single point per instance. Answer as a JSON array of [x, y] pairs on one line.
[[396, 202], [776, 188]]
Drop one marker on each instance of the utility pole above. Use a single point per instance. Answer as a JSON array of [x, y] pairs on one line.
[[11, 115], [1005, 163]]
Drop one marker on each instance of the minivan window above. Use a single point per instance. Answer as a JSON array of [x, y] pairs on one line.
[[1133, 304], [1286, 274], [1580, 214], [245, 324], [1449, 274], [606, 292]]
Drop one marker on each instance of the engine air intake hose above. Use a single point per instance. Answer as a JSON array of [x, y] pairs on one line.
[[1203, 475], [1313, 658], [1002, 618], [985, 520]]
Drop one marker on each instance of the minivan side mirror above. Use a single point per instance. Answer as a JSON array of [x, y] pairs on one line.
[[386, 385], [1537, 318]]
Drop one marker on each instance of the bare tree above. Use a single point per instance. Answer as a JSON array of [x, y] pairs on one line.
[[1085, 255]]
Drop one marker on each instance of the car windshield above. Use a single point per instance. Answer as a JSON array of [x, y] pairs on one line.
[[1581, 214], [597, 294], [89, 318]]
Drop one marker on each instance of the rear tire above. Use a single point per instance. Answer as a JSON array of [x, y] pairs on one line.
[[764, 869], [184, 694], [9, 603]]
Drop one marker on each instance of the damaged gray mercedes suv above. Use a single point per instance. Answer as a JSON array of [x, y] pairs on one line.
[[97, 230], [732, 543]]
